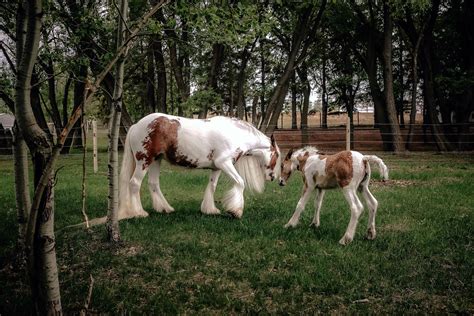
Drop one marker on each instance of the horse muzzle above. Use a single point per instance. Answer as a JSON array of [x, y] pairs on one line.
[[282, 183]]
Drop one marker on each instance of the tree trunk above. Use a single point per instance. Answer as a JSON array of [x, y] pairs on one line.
[[112, 225], [40, 243], [388, 80], [262, 80], [22, 191], [244, 56], [162, 87], [149, 78], [275, 105], [400, 99], [176, 65], [294, 124], [303, 36], [324, 97], [429, 84], [303, 74], [79, 86], [65, 99], [254, 110], [216, 62]]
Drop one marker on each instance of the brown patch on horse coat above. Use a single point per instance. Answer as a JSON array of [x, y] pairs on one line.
[[274, 158], [238, 153], [163, 139], [339, 167], [210, 156], [302, 161]]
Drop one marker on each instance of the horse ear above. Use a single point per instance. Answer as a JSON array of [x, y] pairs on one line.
[[288, 155], [272, 140]]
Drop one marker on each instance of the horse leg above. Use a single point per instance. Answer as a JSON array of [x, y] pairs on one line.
[[300, 206], [207, 205], [234, 199], [317, 205], [356, 210], [159, 202], [136, 208], [372, 204]]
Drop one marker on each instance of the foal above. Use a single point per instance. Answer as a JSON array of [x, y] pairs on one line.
[[349, 170]]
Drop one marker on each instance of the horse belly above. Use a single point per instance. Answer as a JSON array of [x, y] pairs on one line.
[[326, 182]]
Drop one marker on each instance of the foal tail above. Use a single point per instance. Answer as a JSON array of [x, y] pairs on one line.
[[382, 167], [126, 172]]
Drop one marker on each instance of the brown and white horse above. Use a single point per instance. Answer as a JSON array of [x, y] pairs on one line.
[[348, 170], [236, 147]]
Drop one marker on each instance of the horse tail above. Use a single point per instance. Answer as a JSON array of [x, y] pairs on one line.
[[251, 172], [382, 167], [126, 172]]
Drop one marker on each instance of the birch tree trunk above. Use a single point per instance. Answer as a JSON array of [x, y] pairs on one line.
[[39, 236], [22, 192], [112, 226]]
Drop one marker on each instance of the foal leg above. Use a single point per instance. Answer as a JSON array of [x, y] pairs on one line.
[[372, 204], [207, 205], [317, 205], [300, 206], [136, 208], [159, 202], [234, 199], [356, 210]]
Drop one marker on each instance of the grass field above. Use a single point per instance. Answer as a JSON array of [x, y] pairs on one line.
[[187, 263]]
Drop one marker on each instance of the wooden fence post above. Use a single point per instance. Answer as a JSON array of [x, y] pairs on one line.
[[94, 144], [348, 133]]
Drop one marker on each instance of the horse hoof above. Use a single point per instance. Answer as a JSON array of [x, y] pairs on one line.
[[235, 213], [214, 211], [288, 225], [314, 225]]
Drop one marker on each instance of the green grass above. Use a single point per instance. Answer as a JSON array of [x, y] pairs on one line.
[[187, 263]]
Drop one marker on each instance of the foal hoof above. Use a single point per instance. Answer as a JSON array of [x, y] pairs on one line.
[[169, 210], [345, 241], [371, 234]]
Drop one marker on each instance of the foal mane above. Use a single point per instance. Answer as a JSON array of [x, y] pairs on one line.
[[311, 150]]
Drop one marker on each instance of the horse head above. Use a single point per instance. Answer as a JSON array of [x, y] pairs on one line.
[[272, 160]]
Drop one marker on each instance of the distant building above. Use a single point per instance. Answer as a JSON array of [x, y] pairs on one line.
[[6, 133], [7, 121]]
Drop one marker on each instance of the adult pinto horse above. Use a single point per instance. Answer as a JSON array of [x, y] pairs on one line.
[[225, 144]]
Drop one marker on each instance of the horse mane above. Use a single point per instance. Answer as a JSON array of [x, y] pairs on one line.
[[249, 168]]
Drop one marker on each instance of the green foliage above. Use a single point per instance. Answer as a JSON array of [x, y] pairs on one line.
[[200, 98]]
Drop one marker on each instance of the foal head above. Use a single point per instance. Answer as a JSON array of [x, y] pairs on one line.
[[295, 160], [287, 167]]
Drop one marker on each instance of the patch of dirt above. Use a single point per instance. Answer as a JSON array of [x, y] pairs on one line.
[[130, 251], [392, 183]]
